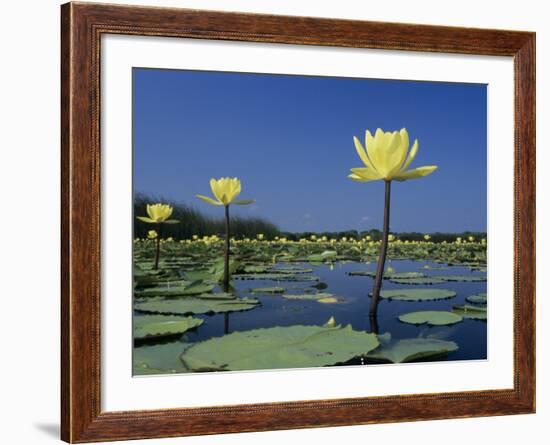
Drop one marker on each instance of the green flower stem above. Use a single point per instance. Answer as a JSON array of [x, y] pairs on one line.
[[383, 250], [157, 251], [226, 253]]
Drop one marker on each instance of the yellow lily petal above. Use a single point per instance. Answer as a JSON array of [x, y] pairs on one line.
[[412, 155], [362, 153], [416, 173], [145, 219], [209, 200], [399, 154], [366, 173]]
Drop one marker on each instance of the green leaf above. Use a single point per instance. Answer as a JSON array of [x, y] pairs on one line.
[[417, 294], [471, 312], [267, 290], [193, 305], [432, 318], [194, 288], [480, 298], [388, 275], [158, 359], [151, 326], [411, 349], [468, 278], [328, 298], [279, 347], [423, 280]]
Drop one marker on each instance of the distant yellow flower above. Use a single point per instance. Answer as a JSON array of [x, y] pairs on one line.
[[195, 237], [368, 237], [427, 237], [386, 157], [390, 269], [471, 239], [313, 237], [391, 237], [158, 213], [225, 190], [344, 239], [260, 236], [152, 234], [458, 240]]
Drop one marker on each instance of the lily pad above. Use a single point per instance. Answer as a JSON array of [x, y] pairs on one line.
[[152, 326], [471, 312], [417, 281], [194, 288], [320, 297], [388, 275], [192, 305], [465, 278], [268, 290], [158, 359], [275, 277], [411, 349], [480, 298], [432, 318], [279, 347], [417, 294]]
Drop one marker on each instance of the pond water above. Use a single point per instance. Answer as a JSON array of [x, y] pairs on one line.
[[352, 291]]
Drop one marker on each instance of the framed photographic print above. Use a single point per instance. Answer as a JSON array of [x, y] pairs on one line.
[[277, 222]]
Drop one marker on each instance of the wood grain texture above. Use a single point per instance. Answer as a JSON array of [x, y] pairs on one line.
[[81, 28]]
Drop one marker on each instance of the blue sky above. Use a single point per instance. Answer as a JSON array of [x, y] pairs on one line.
[[290, 141]]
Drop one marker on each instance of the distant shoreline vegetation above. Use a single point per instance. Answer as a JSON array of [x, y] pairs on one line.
[[194, 223]]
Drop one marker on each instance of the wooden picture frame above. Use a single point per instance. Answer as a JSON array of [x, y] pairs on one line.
[[82, 26]]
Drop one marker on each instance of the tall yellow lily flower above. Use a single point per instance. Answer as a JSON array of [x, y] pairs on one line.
[[386, 157], [158, 214], [225, 191]]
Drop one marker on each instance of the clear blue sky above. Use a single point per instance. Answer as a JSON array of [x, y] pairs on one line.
[[290, 140]]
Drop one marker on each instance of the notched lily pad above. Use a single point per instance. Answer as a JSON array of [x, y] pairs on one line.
[[158, 359], [194, 288], [279, 347], [417, 294], [153, 326], [432, 318]]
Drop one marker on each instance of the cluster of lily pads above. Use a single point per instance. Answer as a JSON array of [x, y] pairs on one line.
[[169, 301]]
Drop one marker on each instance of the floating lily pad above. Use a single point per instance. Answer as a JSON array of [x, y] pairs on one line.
[[268, 290], [275, 277], [432, 318], [320, 297], [279, 347], [158, 359], [388, 275], [417, 281], [192, 305], [290, 270], [471, 312], [480, 298], [466, 278], [197, 287], [411, 349], [417, 294], [151, 326]]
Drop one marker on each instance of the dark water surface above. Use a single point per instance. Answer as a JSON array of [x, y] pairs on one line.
[[470, 335]]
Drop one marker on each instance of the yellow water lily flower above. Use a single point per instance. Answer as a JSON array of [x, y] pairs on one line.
[[391, 237], [152, 234], [260, 236], [158, 213], [471, 239], [387, 157], [331, 323], [225, 190], [427, 237]]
